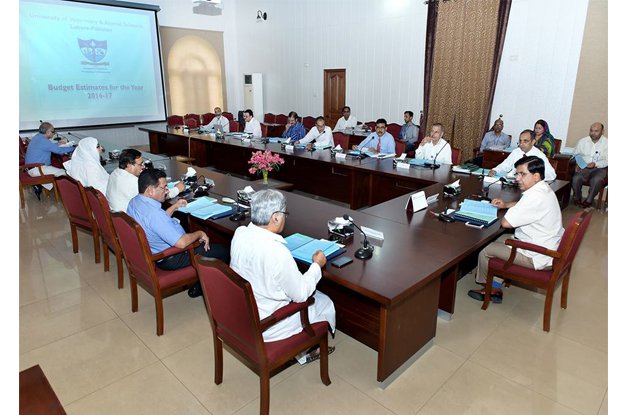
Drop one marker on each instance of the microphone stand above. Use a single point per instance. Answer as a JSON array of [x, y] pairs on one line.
[[366, 251], [486, 190], [435, 166], [239, 215]]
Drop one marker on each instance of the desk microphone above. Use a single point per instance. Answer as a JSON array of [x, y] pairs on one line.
[[239, 214], [435, 166], [487, 189], [78, 136], [366, 251], [365, 146]]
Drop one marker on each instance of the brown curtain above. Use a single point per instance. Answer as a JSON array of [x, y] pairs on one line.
[[467, 45]]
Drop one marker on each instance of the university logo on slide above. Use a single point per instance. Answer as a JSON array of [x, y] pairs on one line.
[[92, 49]]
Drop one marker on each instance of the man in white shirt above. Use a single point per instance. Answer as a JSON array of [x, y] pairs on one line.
[[123, 183], [346, 121], [434, 148], [526, 148], [321, 134], [219, 120], [252, 126], [594, 151], [259, 254], [537, 219]]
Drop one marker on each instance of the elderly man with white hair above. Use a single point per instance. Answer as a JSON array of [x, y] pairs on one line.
[[260, 255]]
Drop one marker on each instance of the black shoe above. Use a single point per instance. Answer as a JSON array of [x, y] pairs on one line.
[[37, 189], [495, 296], [195, 291]]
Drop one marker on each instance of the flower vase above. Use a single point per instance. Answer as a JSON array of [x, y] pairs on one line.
[[265, 177]]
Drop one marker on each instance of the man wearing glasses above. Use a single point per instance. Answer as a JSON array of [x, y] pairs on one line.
[[259, 254], [40, 150], [379, 141], [536, 218], [526, 148], [123, 182], [163, 231], [346, 121]]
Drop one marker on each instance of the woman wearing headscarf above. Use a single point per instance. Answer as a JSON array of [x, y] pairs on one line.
[[544, 140], [85, 165]]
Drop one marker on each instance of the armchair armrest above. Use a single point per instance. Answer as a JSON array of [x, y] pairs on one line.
[[516, 244], [287, 311], [173, 251]]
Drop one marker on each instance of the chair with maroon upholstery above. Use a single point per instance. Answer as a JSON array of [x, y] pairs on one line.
[[371, 125], [545, 279], [281, 119], [195, 117], [393, 129], [228, 115], [234, 126], [78, 212], [26, 180], [23, 147], [207, 118], [174, 120], [456, 156], [308, 122], [142, 270], [342, 139], [263, 130], [270, 118], [400, 147], [234, 318], [102, 215]]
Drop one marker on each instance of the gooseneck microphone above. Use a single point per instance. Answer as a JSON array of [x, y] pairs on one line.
[[487, 189], [239, 215], [435, 166], [366, 251]]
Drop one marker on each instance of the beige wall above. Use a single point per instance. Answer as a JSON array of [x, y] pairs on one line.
[[590, 99]]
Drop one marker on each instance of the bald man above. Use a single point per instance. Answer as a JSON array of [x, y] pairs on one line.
[[219, 120], [594, 151]]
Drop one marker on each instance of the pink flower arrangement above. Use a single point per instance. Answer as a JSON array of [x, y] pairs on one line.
[[263, 162]]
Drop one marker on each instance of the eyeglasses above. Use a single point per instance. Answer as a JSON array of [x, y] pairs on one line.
[[142, 164], [522, 174], [161, 187], [284, 212]]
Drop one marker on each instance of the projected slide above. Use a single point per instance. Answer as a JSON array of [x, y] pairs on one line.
[[84, 64]]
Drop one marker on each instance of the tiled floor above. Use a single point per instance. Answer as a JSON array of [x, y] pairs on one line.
[[102, 359]]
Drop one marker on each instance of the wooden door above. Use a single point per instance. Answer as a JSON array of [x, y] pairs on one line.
[[333, 95]]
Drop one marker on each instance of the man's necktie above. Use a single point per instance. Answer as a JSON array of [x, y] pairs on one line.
[[379, 144]]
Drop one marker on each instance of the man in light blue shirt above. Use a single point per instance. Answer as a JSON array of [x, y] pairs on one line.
[[495, 138], [379, 141], [409, 132], [163, 231], [40, 150]]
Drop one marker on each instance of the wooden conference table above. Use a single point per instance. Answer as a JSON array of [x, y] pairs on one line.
[[390, 302]]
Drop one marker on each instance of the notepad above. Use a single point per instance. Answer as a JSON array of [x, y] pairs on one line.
[[580, 161], [197, 204], [213, 211], [303, 247]]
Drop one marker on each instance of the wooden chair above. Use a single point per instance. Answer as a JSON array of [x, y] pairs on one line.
[[270, 118], [228, 115], [558, 144], [174, 120], [342, 139], [234, 126], [234, 318], [142, 269], [281, 119], [195, 117], [23, 147], [308, 122], [263, 130], [393, 129], [191, 123], [456, 156], [400, 147], [545, 279], [26, 180], [78, 212], [102, 215], [207, 118]]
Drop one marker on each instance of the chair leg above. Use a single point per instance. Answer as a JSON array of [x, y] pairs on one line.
[[264, 391], [323, 367], [159, 316], [23, 202], [134, 299], [105, 248], [219, 360], [565, 290], [120, 270], [96, 245], [547, 314], [56, 193], [74, 237], [487, 289]]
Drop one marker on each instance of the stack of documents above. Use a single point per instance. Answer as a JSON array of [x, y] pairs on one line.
[[479, 213], [206, 208], [303, 247]]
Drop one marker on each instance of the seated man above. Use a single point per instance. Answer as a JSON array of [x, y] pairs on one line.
[[163, 231], [495, 138], [434, 147], [219, 120], [40, 150], [594, 150], [378, 141], [536, 218], [294, 129], [85, 165], [346, 121], [259, 254], [123, 183], [321, 134], [252, 126], [526, 148], [409, 132]]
